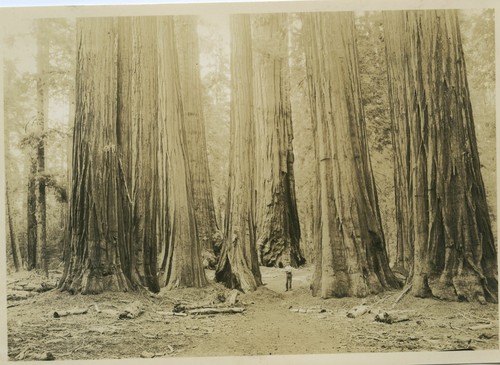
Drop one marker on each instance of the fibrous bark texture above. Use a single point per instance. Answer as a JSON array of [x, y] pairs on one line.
[[352, 258], [238, 265], [445, 242], [138, 140], [189, 72], [277, 218], [181, 264]]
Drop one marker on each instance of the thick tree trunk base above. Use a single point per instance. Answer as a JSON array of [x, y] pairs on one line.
[[237, 276], [279, 252], [466, 286], [91, 283]]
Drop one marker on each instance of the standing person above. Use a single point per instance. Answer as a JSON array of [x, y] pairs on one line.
[[288, 271]]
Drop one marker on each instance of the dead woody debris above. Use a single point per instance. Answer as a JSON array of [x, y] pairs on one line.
[[132, 311], [65, 313], [228, 310], [358, 311], [391, 317]]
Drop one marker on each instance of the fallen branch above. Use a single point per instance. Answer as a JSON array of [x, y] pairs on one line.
[[180, 314], [226, 310], [233, 297], [405, 291], [481, 327]]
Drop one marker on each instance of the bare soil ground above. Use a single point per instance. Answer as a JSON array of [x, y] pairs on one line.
[[273, 322]]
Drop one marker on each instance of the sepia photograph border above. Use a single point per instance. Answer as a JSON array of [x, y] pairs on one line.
[[148, 8]]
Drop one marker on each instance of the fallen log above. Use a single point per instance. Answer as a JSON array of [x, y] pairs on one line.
[[358, 311], [391, 317], [184, 308], [45, 287], [65, 313], [227, 310], [132, 311], [42, 288], [20, 295]]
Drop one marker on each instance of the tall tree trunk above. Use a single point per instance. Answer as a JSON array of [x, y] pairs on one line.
[[96, 250], [188, 52], [442, 191], [137, 138], [181, 264], [238, 265], [352, 257], [69, 145], [16, 256], [31, 215], [401, 143], [42, 115], [277, 220]]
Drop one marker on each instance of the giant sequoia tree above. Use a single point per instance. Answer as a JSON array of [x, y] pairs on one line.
[[96, 255], [180, 255], [445, 241], [131, 184], [278, 222], [137, 137], [351, 254], [238, 264], [194, 123]]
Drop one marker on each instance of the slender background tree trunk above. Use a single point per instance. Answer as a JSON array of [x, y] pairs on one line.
[[42, 115], [16, 255], [31, 215]]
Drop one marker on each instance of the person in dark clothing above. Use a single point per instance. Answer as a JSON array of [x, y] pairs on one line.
[[288, 271]]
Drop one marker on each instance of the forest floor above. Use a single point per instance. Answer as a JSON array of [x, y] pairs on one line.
[[273, 322]]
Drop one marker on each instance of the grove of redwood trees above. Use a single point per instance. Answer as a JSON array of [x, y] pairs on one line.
[[141, 211], [445, 241]]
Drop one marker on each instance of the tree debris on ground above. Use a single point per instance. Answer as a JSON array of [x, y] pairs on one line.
[[226, 310], [358, 311], [391, 317], [132, 311], [64, 313]]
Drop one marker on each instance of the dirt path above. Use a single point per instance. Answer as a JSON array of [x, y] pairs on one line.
[[274, 322]]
